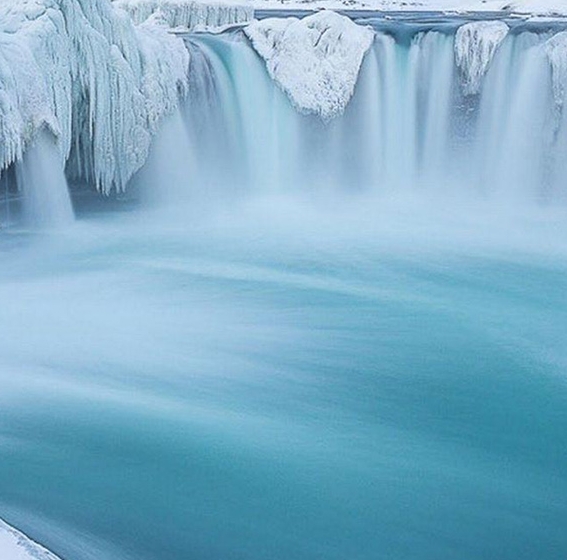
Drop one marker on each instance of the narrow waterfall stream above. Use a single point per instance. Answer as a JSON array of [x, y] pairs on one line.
[[41, 179]]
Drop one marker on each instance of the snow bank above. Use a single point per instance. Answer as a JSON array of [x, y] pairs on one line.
[[315, 60], [556, 50], [475, 45], [541, 7], [16, 546], [188, 14], [83, 70]]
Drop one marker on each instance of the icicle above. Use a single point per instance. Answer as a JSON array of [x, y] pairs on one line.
[[99, 83]]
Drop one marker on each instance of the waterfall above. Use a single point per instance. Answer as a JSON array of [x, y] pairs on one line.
[[414, 124], [41, 179]]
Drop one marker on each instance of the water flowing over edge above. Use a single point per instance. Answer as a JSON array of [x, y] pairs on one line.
[[417, 123]]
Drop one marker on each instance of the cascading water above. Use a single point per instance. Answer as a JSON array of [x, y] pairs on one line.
[[41, 179], [411, 127]]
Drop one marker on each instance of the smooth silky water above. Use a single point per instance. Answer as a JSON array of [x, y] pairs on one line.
[[338, 340]]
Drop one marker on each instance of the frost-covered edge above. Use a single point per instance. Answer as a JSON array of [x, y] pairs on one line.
[[83, 70]]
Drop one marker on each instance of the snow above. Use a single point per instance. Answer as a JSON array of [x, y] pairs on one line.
[[556, 50], [543, 7], [188, 14], [97, 81], [16, 546], [475, 45], [314, 60]]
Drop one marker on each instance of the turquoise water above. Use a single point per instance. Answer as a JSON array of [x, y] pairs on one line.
[[285, 385]]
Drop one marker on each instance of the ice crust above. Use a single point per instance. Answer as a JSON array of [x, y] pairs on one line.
[[188, 14], [314, 60], [97, 81], [475, 46], [16, 546]]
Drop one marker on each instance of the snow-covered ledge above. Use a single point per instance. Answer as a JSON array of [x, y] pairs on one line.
[[476, 44], [14, 545], [314, 60], [189, 14]]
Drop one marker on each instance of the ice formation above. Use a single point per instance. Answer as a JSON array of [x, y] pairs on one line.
[[475, 46], [315, 60], [99, 83], [556, 50], [16, 546], [188, 14]]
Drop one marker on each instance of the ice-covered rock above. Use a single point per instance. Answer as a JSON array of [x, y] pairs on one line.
[[189, 14], [475, 46], [16, 546], [85, 71], [556, 50], [315, 60]]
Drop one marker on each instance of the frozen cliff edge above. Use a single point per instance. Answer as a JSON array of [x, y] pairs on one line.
[[83, 70], [556, 51], [475, 46], [315, 60], [16, 546], [188, 14]]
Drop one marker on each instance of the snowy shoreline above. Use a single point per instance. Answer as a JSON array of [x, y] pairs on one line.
[[14, 545]]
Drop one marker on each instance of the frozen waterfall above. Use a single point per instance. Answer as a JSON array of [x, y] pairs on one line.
[[83, 70]]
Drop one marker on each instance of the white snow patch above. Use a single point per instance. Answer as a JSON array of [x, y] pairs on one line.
[[556, 50], [541, 7], [16, 546], [475, 46], [101, 84], [315, 60], [189, 14]]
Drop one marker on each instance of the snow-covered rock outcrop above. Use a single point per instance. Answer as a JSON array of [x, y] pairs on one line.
[[189, 14], [315, 60], [475, 46], [556, 51], [16, 546], [100, 84]]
